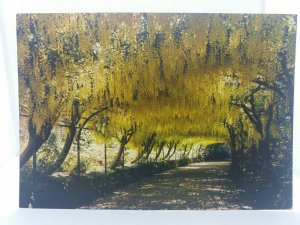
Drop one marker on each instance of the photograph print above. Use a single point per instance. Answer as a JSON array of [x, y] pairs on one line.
[[156, 111]]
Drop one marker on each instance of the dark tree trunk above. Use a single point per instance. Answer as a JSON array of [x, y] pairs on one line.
[[175, 149], [232, 136], [140, 155], [208, 46], [149, 152], [79, 134], [148, 145], [189, 151], [267, 153], [168, 153], [159, 152], [254, 159], [118, 156], [66, 148], [184, 150], [172, 153], [170, 147], [35, 141]]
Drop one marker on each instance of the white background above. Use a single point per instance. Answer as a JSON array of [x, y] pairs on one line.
[[9, 166]]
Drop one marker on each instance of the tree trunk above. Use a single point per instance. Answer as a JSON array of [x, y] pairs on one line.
[[158, 152], [172, 153], [232, 136], [118, 156], [188, 153], [168, 153], [208, 46], [62, 156], [268, 134], [140, 155], [79, 135], [149, 152], [184, 151], [35, 141]]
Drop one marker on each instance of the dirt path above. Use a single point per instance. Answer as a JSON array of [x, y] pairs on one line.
[[203, 185]]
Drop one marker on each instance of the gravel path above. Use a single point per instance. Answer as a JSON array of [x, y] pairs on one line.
[[203, 185]]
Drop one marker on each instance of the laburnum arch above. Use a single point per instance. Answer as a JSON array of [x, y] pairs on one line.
[[154, 81]]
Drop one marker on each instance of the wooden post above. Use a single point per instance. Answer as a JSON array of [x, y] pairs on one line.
[[123, 160], [105, 168], [105, 160], [123, 165], [78, 155], [34, 170]]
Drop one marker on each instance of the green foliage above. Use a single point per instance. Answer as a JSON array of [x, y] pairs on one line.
[[183, 161], [84, 164], [47, 154], [217, 152]]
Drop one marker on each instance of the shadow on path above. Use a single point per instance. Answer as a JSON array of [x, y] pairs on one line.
[[204, 185]]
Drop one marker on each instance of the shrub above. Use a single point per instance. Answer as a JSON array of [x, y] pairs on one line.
[[217, 152], [183, 161]]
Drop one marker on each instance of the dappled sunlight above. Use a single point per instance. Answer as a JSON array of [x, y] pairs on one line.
[[148, 186], [199, 186], [214, 189], [174, 201]]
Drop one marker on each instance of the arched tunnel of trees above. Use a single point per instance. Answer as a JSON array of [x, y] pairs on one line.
[[108, 99]]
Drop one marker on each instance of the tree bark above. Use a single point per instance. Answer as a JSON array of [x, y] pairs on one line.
[[140, 155], [160, 148], [35, 141], [232, 144], [118, 156], [168, 152], [68, 143], [191, 147], [267, 155], [175, 148], [148, 145], [149, 152], [184, 150], [172, 153], [66, 148]]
